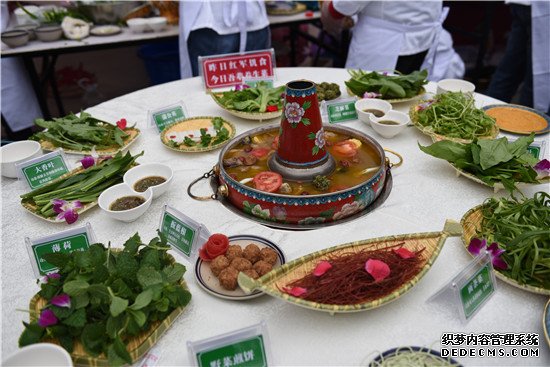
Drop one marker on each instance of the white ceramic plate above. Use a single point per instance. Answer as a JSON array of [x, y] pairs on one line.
[[210, 283], [105, 30]]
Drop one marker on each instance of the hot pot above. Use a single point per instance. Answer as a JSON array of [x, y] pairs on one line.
[[299, 210]]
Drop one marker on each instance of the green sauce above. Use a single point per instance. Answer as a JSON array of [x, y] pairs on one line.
[[126, 203], [146, 182], [388, 122]]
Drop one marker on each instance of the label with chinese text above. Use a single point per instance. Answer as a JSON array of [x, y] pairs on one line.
[[244, 353], [341, 111], [167, 117], [42, 170], [220, 71], [476, 290], [74, 239], [537, 148], [178, 233]]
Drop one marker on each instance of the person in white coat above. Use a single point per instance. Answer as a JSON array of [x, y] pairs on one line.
[[388, 35], [19, 103], [218, 27]]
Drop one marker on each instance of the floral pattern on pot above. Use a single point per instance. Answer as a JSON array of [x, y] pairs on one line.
[[360, 203], [312, 220], [256, 210], [319, 138], [294, 113]]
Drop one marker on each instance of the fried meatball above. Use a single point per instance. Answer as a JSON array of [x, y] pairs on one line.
[[269, 255], [251, 273], [262, 267], [228, 278], [251, 253], [241, 264], [218, 264], [234, 251]]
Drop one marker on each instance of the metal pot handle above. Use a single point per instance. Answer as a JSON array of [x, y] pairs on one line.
[[389, 163], [203, 177]]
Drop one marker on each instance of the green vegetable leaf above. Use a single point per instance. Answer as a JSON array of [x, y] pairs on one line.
[[118, 305], [115, 324], [57, 259], [93, 337], [493, 152], [148, 276], [132, 244], [138, 316], [142, 300], [117, 353], [446, 149], [75, 287], [80, 301], [126, 265], [189, 142], [31, 335], [174, 272], [76, 319]]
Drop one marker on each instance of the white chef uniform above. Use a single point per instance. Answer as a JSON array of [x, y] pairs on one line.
[[540, 32]]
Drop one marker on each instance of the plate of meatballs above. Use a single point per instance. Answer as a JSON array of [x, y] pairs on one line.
[[253, 255]]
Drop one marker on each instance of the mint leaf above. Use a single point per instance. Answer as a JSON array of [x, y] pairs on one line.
[[61, 312], [132, 244], [75, 287], [31, 335], [76, 319], [150, 257], [80, 301], [138, 316], [92, 338], [148, 276], [174, 272], [98, 293], [120, 288], [142, 300], [114, 325], [121, 350], [183, 296], [126, 265], [83, 259], [118, 306], [57, 259]]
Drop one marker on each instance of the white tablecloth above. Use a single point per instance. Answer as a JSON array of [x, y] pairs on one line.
[[425, 192]]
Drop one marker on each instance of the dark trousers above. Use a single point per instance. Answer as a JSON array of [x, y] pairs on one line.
[[206, 42], [516, 66], [408, 64]]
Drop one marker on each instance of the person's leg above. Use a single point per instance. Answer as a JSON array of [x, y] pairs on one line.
[[512, 68], [408, 64], [258, 40], [526, 96]]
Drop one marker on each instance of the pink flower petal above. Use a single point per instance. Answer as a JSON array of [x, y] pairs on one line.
[[58, 205], [404, 253], [476, 245], [62, 300], [70, 216], [87, 162], [121, 124], [76, 204], [322, 268], [494, 250], [379, 270], [295, 291], [47, 318], [498, 263]]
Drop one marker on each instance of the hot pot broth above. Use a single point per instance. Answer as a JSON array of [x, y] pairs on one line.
[[249, 158]]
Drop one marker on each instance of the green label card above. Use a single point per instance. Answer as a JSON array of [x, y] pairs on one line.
[[46, 169], [178, 233], [476, 290], [168, 116], [243, 353], [341, 111], [534, 150]]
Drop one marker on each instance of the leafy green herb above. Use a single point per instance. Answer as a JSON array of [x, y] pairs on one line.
[[521, 228], [454, 115], [85, 186], [252, 99], [118, 308], [81, 133], [327, 91], [389, 86], [187, 141], [491, 160], [321, 183]]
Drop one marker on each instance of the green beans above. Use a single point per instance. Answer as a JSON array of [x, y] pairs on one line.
[[454, 115], [522, 228]]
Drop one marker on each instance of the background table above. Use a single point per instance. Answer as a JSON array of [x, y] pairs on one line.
[[425, 192]]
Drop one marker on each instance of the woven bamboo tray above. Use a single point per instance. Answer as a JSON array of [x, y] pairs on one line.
[[421, 92], [426, 130], [270, 283], [133, 132], [258, 116], [471, 222]]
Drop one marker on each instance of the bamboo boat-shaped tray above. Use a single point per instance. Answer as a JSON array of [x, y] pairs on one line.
[[498, 185], [395, 100], [426, 130], [471, 222], [137, 346], [133, 132], [272, 282], [258, 116]]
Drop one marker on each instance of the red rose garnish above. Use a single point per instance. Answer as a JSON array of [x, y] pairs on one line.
[[379, 270], [295, 291], [272, 108], [121, 124], [216, 245], [322, 268], [404, 253]]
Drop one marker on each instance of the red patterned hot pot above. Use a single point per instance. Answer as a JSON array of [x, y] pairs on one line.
[[296, 158]]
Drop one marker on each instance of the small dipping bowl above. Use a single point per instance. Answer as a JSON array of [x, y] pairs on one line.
[[136, 173], [389, 131], [16, 37], [29, 28], [455, 85], [18, 152], [41, 354], [113, 193], [48, 33], [370, 103], [157, 24], [137, 25]]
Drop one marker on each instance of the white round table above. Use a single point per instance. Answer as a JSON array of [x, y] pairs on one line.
[[426, 192]]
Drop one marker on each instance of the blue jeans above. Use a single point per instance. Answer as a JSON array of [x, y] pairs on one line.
[[206, 42], [516, 66]]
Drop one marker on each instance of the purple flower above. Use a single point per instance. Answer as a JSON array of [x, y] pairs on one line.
[[87, 161], [371, 95], [47, 318], [293, 112], [542, 168], [279, 213], [476, 245], [62, 300], [51, 276], [424, 105], [241, 86], [66, 210]]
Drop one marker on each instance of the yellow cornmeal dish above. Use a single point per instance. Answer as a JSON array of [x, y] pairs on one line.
[[517, 120]]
